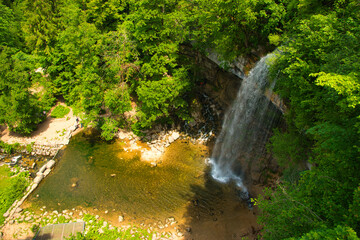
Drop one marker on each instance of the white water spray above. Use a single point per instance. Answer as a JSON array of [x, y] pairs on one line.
[[243, 128]]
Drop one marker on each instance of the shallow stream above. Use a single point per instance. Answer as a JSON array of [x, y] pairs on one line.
[[97, 176]]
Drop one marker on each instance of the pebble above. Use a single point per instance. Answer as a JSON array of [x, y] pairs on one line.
[[121, 218]]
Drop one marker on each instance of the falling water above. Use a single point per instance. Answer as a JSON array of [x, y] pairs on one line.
[[245, 128]]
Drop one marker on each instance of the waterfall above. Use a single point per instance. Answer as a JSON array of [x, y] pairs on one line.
[[245, 129]]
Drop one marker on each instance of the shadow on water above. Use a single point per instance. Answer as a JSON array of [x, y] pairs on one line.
[[217, 212]]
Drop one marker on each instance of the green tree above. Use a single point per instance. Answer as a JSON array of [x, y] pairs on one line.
[[40, 24], [318, 76], [20, 110], [9, 27]]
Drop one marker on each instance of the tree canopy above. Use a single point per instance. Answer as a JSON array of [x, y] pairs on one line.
[[101, 56]]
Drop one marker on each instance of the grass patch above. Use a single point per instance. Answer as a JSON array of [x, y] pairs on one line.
[[99, 230], [60, 111], [11, 188], [10, 148]]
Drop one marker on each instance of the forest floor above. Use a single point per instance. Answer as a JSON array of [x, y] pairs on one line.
[[49, 132]]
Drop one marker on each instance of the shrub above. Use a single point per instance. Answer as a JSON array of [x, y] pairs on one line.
[[9, 148]]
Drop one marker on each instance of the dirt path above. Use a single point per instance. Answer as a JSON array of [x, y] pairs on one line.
[[51, 132]]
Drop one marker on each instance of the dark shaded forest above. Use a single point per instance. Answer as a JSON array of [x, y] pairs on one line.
[[100, 55]]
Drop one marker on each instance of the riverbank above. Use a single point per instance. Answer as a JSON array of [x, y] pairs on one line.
[[50, 136]]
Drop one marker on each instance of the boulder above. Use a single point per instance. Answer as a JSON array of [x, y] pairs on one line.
[[50, 164], [38, 179], [42, 169], [47, 171], [175, 135]]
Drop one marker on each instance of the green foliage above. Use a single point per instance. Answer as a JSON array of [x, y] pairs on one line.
[[29, 147], [35, 228], [9, 148], [162, 98], [235, 28], [110, 233], [104, 14], [118, 100], [12, 188], [39, 24], [109, 129], [60, 111], [8, 27], [317, 75], [340, 232], [19, 109], [288, 148]]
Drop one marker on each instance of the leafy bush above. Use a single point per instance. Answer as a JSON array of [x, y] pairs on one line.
[[60, 111], [9, 148], [109, 129], [29, 147]]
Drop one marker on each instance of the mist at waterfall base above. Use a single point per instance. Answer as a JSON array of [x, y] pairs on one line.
[[245, 129]]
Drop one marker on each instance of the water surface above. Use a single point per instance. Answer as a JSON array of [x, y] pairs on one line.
[[94, 174]]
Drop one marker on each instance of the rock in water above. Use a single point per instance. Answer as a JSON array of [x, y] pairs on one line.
[[50, 164]]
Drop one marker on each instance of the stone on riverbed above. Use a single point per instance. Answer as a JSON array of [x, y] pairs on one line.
[[38, 178], [47, 171], [50, 164]]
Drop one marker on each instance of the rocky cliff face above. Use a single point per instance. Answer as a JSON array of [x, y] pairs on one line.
[[222, 85]]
